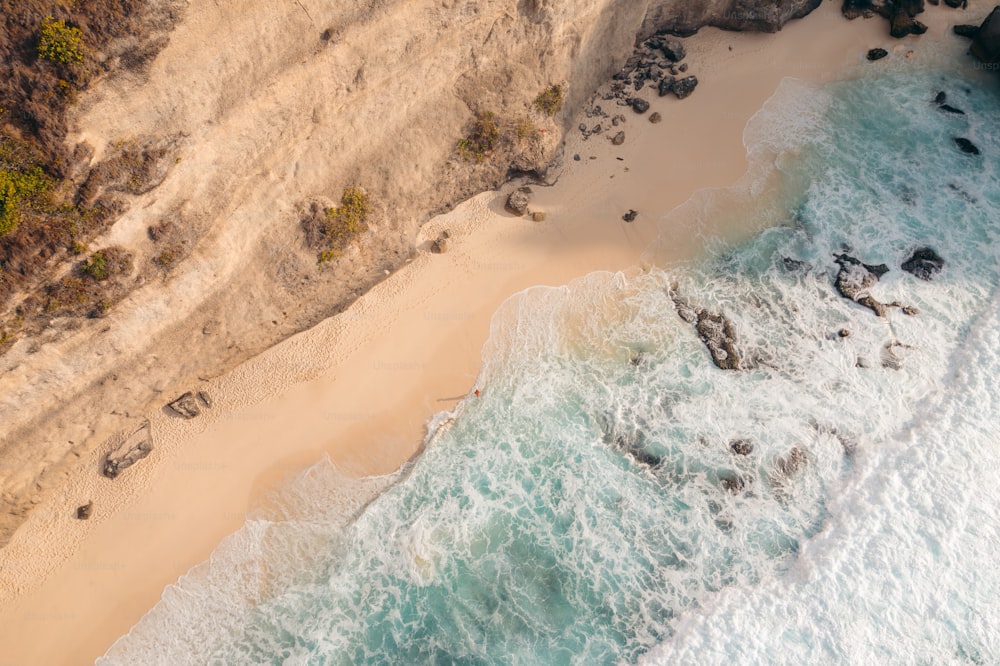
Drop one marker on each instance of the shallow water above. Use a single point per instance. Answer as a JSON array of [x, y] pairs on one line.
[[589, 507]]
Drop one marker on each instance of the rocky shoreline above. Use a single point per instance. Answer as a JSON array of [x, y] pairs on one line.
[[402, 203]]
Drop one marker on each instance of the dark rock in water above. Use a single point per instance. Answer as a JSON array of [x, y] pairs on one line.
[[716, 332], [966, 146], [719, 335], [683, 67], [877, 54], [968, 198], [794, 265], [843, 333], [83, 512], [655, 117], [741, 447], [732, 483], [517, 202], [957, 4], [185, 406], [966, 30], [576, 157], [631, 441], [924, 263], [684, 87], [948, 108], [793, 463], [134, 449], [855, 279], [618, 139], [630, 215], [639, 105], [986, 43], [665, 85], [941, 97]]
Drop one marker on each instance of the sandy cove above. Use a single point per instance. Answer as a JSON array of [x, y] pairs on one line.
[[361, 386]]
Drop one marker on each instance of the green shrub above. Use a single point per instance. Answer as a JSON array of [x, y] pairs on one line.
[[550, 100], [483, 137], [345, 222], [19, 190], [60, 43], [96, 267]]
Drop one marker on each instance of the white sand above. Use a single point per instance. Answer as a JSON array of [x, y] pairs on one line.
[[361, 386]]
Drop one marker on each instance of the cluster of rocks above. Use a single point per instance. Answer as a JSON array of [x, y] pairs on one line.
[[189, 405], [656, 63], [855, 278], [518, 200], [715, 330]]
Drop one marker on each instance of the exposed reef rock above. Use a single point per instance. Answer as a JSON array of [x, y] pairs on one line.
[[716, 332], [792, 463], [924, 263], [966, 146], [855, 279]]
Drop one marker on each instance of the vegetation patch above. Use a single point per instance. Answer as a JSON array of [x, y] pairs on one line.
[[20, 191], [98, 283], [60, 43], [342, 224], [526, 128], [482, 138], [550, 100]]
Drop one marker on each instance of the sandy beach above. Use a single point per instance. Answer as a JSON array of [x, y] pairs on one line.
[[361, 386]]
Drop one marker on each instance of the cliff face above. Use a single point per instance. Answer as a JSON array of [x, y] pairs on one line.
[[254, 111]]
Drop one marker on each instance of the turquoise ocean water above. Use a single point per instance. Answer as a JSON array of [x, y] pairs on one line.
[[589, 507]]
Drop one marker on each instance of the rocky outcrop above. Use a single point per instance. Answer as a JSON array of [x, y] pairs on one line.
[[518, 200], [792, 463], [136, 447], [685, 18], [855, 279], [715, 330], [900, 13], [986, 43], [741, 447], [924, 263], [185, 406]]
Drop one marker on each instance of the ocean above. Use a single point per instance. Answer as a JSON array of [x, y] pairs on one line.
[[613, 496]]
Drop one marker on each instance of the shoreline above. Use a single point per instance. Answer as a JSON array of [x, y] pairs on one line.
[[406, 350]]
